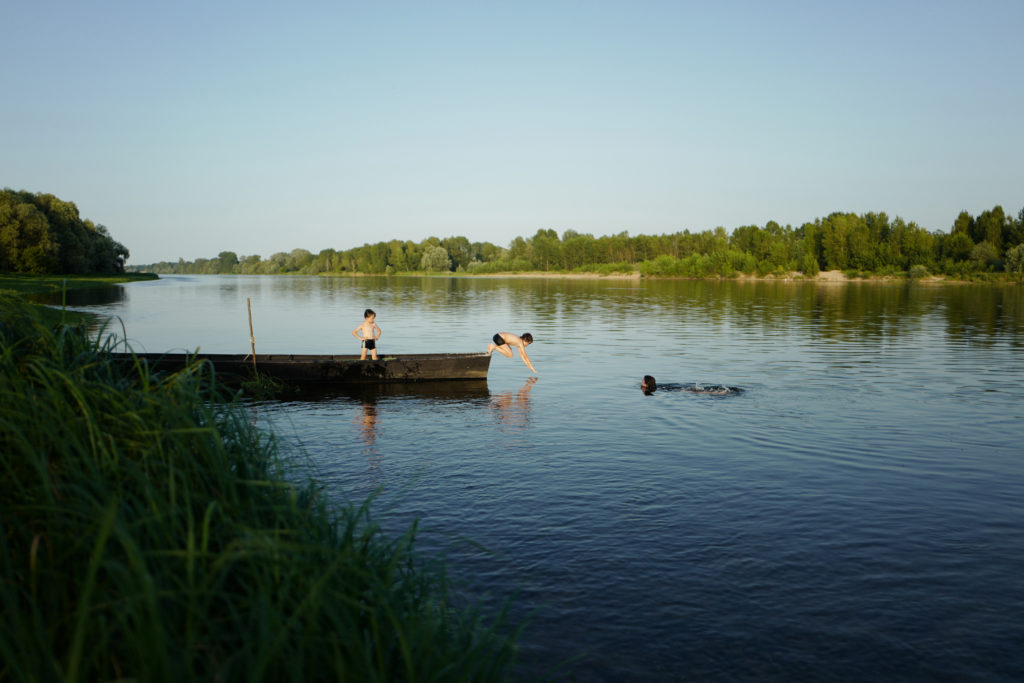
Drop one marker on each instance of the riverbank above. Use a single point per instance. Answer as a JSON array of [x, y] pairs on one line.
[[17, 286], [823, 277], [42, 284]]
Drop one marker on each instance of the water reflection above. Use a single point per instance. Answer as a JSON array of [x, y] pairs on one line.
[[368, 422], [98, 296], [348, 427], [368, 394], [314, 314], [367, 427], [512, 410]]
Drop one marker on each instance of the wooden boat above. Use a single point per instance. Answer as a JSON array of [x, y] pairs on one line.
[[327, 370]]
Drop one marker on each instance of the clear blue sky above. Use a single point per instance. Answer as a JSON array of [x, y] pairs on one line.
[[189, 128]]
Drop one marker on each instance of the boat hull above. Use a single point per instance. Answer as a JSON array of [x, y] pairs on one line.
[[328, 370]]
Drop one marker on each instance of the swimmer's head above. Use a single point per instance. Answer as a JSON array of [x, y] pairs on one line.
[[648, 385]]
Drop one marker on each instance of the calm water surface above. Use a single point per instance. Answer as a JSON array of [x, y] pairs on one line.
[[856, 514]]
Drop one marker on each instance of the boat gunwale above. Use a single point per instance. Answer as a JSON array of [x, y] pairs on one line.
[[292, 357]]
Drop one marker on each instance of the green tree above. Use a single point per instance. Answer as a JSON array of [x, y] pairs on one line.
[[43, 234], [435, 259], [487, 252], [324, 261], [413, 254], [297, 260], [957, 246], [518, 249], [989, 227], [964, 224], [547, 249], [397, 257], [918, 246], [577, 249], [984, 255], [809, 241], [250, 264], [835, 232], [70, 233], [274, 264], [226, 262], [459, 251], [1014, 231], [862, 249], [27, 244], [107, 255], [1015, 261], [753, 240]]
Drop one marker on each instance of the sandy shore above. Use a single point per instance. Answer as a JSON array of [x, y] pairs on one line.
[[824, 277]]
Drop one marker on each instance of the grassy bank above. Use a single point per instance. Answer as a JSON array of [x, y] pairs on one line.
[[148, 532]]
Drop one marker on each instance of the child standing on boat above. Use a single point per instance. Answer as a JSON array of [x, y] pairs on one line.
[[368, 333]]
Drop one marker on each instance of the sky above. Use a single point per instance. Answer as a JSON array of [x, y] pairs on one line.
[[195, 127]]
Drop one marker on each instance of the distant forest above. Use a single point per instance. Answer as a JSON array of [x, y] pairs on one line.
[[865, 244], [42, 234]]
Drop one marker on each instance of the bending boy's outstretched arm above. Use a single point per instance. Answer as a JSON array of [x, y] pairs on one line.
[[526, 359]]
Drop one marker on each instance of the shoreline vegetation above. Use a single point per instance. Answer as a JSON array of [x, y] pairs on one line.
[[989, 247], [827, 277], [149, 531], [41, 234], [15, 287], [29, 283]]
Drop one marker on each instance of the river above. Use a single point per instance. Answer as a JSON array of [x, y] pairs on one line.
[[856, 513]]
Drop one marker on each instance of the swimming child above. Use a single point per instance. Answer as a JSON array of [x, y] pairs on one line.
[[649, 385], [504, 341], [368, 333]]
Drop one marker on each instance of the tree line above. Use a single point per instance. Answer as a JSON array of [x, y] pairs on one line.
[[865, 243], [42, 234]]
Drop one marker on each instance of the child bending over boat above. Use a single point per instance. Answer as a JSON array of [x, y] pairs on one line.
[[503, 342], [368, 333]]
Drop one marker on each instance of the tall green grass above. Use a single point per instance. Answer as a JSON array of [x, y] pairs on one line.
[[148, 532]]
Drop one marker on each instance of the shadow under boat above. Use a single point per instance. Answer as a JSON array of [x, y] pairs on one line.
[[451, 390]]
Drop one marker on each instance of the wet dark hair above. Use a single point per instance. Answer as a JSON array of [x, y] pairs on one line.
[[527, 337], [648, 385], [368, 312]]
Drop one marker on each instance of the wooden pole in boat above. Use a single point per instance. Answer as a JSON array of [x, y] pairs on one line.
[[252, 339]]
